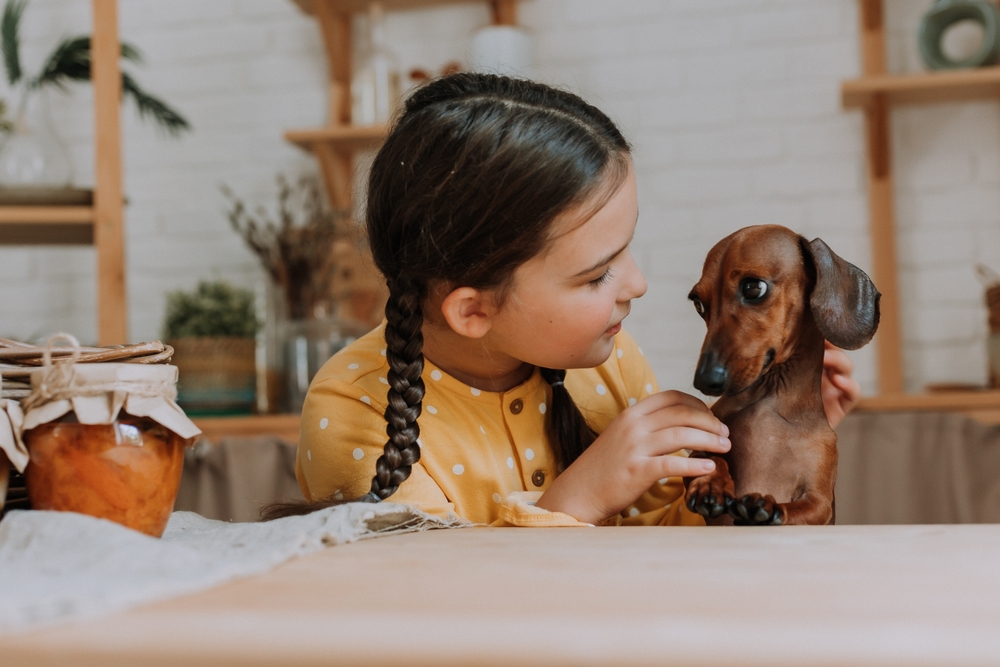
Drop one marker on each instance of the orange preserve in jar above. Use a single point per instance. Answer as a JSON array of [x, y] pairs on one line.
[[127, 471], [105, 439]]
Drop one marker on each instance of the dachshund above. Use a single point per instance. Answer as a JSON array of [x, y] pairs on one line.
[[769, 299]]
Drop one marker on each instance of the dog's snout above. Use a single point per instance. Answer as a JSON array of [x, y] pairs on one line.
[[711, 376]]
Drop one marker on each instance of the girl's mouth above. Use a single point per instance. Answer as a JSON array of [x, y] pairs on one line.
[[613, 330]]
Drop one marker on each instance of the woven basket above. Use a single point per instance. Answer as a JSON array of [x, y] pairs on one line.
[[218, 376]]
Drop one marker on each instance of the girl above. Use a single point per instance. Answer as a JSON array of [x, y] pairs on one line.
[[500, 212]]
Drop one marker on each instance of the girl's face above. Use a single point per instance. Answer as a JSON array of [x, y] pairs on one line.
[[568, 302]]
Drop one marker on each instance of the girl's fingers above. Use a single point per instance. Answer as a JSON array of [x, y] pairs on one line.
[[680, 466], [836, 361], [666, 399], [684, 415], [675, 439]]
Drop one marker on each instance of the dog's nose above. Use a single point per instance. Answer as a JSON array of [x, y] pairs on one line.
[[711, 376]]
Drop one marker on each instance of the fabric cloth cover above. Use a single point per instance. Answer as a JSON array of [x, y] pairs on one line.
[[62, 566]]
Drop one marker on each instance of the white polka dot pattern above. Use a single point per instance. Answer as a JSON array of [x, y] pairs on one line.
[[497, 498], [358, 454], [382, 353], [436, 375], [601, 389], [510, 462], [621, 353], [649, 389], [324, 422], [475, 392], [482, 429], [631, 402], [309, 454], [664, 480], [383, 380], [354, 367], [633, 511], [458, 469], [529, 454], [431, 409], [366, 400], [542, 408]]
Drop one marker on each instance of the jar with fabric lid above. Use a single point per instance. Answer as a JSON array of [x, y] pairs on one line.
[[105, 439]]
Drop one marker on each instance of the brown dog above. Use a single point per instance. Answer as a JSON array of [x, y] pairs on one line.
[[770, 298]]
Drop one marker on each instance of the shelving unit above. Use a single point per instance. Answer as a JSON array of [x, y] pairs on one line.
[[335, 144], [875, 93], [101, 224]]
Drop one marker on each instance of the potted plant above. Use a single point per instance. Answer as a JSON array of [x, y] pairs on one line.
[[213, 332]]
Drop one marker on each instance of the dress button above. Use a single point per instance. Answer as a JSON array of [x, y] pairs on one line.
[[538, 477], [516, 406]]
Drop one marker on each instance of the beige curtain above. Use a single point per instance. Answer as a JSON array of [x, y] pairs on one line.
[[919, 467], [232, 479]]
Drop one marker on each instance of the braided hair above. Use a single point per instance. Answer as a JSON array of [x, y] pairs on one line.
[[465, 190]]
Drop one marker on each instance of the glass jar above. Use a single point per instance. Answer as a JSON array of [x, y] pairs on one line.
[[105, 439], [127, 471]]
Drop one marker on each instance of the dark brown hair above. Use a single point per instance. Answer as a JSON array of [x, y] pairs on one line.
[[465, 190]]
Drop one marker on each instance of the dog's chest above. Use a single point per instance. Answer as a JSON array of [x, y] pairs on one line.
[[770, 455]]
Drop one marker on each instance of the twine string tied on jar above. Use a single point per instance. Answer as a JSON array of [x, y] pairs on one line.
[[57, 380]]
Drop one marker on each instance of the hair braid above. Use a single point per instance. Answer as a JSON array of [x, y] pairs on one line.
[[568, 430], [404, 352]]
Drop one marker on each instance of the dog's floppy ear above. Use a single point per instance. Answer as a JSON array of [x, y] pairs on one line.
[[844, 301]]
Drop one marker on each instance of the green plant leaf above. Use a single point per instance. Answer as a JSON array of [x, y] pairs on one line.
[[71, 62], [213, 309], [11, 46], [157, 109]]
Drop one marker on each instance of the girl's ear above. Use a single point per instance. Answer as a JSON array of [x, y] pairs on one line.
[[468, 311]]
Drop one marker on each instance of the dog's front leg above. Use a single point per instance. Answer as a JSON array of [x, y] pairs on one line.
[[710, 495]]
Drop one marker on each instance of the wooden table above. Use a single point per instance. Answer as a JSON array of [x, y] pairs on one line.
[[871, 595]]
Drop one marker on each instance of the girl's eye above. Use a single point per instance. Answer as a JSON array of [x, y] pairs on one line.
[[753, 289], [601, 279]]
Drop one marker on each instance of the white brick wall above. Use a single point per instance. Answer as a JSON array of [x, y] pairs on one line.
[[732, 105]]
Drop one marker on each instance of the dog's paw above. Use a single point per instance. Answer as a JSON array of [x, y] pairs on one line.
[[754, 509], [708, 496]]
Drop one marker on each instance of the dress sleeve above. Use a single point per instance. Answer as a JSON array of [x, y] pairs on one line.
[[342, 436]]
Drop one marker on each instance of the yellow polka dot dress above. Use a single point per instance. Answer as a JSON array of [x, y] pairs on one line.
[[483, 455]]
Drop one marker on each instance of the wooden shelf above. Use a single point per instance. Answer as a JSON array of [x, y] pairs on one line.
[[948, 400], [338, 137], [308, 6], [285, 427], [951, 85], [46, 214], [46, 225]]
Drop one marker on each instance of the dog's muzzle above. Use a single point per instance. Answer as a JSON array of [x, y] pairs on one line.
[[711, 377]]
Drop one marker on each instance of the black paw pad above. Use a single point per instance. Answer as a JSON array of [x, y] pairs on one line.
[[708, 505], [755, 510]]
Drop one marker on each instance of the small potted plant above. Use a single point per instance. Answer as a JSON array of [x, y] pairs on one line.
[[213, 332]]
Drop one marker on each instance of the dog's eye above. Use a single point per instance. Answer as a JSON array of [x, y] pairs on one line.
[[698, 305], [753, 289]]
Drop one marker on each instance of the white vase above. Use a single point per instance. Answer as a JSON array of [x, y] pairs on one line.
[[501, 49], [33, 154]]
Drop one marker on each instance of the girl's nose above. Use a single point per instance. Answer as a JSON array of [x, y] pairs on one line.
[[635, 283]]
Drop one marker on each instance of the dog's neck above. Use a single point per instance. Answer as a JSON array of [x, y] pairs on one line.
[[796, 384]]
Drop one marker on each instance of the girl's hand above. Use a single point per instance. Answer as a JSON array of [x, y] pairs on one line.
[[633, 452], [841, 392]]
